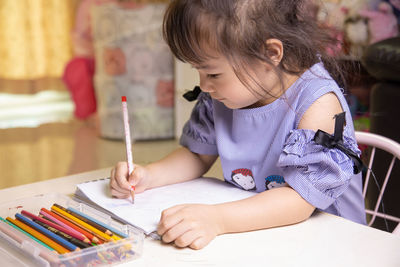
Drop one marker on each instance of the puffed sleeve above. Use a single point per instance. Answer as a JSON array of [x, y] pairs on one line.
[[198, 133], [319, 174]]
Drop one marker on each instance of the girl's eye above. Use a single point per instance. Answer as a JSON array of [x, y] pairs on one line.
[[213, 76]]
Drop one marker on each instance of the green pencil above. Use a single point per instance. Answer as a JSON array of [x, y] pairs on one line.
[[28, 234]]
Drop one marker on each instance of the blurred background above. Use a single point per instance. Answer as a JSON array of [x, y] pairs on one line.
[[64, 65]]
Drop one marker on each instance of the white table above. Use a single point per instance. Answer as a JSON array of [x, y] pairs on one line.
[[323, 240]]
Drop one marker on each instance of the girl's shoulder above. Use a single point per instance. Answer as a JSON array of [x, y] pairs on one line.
[[317, 78], [317, 88], [313, 84]]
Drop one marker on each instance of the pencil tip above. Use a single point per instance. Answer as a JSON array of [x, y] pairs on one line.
[[133, 196]]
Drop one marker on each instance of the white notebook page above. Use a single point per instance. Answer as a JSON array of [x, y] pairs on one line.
[[145, 213]]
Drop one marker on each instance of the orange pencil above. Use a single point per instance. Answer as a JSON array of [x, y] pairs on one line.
[[56, 226], [81, 223], [70, 224], [15, 232], [40, 236], [78, 226], [84, 219], [89, 222]]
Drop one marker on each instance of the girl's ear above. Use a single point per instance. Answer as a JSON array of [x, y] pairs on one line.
[[274, 50]]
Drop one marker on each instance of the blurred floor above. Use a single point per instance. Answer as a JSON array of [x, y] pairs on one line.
[[57, 149]]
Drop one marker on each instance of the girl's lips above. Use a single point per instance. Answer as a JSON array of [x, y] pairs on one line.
[[217, 98]]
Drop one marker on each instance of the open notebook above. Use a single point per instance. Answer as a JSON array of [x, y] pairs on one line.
[[146, 212]]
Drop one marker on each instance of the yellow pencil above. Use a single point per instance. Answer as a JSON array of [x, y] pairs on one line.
[[40, 236], [83, 224], [115, 237]]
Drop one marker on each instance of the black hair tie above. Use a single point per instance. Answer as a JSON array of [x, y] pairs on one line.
[[336, 141], [193, 94]]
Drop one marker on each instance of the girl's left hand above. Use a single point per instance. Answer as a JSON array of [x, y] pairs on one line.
[[190, 225]]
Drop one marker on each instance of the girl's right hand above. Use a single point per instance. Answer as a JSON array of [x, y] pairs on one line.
[[120, 183]]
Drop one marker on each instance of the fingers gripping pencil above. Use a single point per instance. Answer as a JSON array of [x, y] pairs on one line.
[[128, 143]]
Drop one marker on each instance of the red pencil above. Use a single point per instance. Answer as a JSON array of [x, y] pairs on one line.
[[84, 232], [56, 226], [54, 220]]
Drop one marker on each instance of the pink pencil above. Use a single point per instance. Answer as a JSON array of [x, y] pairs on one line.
[[128, 143], [51, 217], [22, 238], [56, 226]]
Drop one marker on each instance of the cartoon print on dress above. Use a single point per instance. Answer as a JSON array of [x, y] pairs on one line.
[[274, 181], [244, 178]]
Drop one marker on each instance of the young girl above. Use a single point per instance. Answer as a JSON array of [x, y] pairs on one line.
[[265, 94]]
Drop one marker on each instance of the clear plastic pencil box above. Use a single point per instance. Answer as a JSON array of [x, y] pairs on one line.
[[27, 253]]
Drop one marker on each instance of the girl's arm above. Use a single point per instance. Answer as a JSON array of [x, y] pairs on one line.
[[179, 166], [195, 225], [278, 207]]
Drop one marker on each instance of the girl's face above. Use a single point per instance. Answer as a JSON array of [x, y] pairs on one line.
[[219, 80]]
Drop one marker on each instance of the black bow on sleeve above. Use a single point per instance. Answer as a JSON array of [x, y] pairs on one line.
[[193, 94], [336, 141]]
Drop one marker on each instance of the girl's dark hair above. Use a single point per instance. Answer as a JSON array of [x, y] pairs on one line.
[[238, 29]]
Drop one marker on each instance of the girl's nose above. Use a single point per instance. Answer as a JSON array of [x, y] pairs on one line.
[[205, 86]]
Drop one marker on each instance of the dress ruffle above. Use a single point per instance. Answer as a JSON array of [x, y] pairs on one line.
[[319, 174], [199, 133]]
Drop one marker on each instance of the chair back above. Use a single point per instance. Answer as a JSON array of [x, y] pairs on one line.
[[374, 142]]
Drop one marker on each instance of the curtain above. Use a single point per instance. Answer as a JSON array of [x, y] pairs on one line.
[[35, 43]]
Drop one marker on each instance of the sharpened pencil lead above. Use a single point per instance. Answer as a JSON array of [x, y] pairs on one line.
[[133, 194]]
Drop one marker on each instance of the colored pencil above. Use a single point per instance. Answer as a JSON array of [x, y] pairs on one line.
[[61, 234], [81, 223], [93, 238], [97, 226], [25, 233], [40, 236], [81, 236], [112, 229], [68, 245], [128, 145], [84, 219], [13, 232], [56, 226], [50, 217]]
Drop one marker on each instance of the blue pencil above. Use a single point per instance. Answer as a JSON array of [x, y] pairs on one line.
[[26, 233], [56, 238], [115, 231]]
